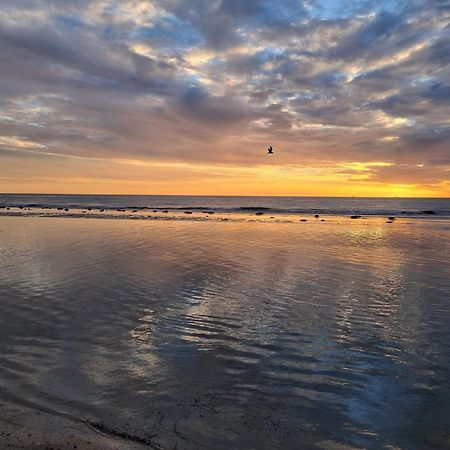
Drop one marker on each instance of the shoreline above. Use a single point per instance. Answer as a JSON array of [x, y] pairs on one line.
[[229, 206], [29, 428], [217, 216]]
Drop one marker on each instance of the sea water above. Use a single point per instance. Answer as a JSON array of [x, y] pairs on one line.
[[228, 334]]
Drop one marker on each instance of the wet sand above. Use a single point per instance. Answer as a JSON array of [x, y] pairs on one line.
[[248, 214], [246, 333], [28, 428]]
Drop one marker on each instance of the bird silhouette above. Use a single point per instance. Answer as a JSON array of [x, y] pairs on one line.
[[270, 151]]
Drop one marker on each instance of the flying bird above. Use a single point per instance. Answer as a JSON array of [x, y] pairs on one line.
[[270, 151]]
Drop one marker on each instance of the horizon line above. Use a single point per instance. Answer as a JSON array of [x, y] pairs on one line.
[[221, 195]]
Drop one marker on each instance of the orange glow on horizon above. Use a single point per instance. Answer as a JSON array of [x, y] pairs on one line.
[[142, 178]]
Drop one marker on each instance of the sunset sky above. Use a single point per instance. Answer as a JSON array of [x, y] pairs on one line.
[[184, 97]]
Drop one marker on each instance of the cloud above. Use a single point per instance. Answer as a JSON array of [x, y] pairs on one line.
[[213, 82]]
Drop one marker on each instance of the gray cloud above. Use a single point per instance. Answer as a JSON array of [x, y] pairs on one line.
[[188, 80]]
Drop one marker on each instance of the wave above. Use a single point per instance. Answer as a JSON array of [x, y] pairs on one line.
[[231, 205]]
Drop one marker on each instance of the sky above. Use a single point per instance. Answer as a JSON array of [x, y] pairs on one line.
[[184, 97]]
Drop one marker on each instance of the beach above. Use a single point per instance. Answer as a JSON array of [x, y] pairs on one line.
[[190, 331], [224, 225]]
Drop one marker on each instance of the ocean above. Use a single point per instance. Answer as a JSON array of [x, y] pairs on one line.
[[239, 334], [406, 207]]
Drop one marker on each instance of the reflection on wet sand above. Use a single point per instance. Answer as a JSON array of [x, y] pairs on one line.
[[235, 335]]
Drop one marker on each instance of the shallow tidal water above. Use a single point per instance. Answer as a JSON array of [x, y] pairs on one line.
[[184, 334]]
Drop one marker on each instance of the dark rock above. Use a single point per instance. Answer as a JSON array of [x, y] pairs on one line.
[[259, 213], [66, 209], [165, 211], [322, 220], [388, 221], [155, 210], [391, 218], [303, 220], [428, 212], [355, 217], [188, 212], [316, 216]]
